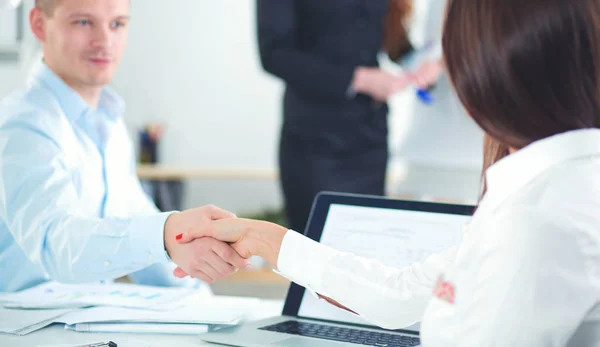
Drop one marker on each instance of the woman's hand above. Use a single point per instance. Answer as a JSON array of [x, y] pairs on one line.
[[247, 237], [204, 258]]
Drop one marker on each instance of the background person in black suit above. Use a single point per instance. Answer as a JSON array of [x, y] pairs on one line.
[[334, 134]]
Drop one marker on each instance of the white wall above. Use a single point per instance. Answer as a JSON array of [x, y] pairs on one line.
[[8, 25], [13, 74], [194, 66], [9, 78]]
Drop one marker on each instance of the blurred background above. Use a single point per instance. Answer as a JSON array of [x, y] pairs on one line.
[[206, 118]]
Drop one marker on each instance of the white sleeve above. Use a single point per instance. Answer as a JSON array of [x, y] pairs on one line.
[[388, 297]]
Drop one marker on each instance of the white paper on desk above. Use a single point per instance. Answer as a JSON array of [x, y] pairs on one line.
[[55, 295], [139, 328], [192, 314], [22, 322]]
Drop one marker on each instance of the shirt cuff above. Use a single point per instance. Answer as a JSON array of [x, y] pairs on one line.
[[147, 238], [313, 293], [413, 60], [303, 260], [436, 52]]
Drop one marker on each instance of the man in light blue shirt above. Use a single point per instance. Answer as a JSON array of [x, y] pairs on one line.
[[71, 206]]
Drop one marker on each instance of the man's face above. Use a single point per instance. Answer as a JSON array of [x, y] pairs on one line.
[[84, 40]]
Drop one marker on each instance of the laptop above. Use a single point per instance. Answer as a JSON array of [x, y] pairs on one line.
[[395, 232]]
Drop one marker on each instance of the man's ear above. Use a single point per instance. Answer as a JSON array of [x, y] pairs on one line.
[[37, 23]]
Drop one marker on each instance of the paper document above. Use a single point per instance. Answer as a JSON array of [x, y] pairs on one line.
[[411, 236], [192, 314], [139, 328], [397, 238], [194, 317], [22, 322], [55, 295], [221, 310]]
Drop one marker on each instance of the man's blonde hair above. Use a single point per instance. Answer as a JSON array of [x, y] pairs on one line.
[[47, 6]]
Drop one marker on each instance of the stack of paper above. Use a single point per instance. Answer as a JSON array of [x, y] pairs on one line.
[[140, 328], [22, 322], [54, 295], [193, 319], [115, 307], [192, 314], [38, 307]]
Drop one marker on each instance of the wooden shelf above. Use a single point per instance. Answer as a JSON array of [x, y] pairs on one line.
[[166, 173], [170, 173]]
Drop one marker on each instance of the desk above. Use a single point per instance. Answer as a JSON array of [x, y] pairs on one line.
[[57, 335]]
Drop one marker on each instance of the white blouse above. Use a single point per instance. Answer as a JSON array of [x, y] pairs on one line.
[[526, 274]]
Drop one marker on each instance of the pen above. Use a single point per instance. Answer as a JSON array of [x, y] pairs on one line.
[[100, 344], [411, 60], [425, 96]]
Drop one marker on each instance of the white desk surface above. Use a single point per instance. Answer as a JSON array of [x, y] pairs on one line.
[[57, 335]]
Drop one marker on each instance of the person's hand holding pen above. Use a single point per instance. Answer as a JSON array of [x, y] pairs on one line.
[[424, 66], [427, 74], [378, 84], [382, 85], [424, 80]]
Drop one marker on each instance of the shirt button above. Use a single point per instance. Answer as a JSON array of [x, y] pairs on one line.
[[466, 227], [150, 258], [107, 263]]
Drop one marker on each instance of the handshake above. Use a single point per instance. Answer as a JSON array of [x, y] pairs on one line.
[[209, 243]]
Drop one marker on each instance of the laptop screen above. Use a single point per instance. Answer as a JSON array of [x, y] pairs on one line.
[[396, 237]]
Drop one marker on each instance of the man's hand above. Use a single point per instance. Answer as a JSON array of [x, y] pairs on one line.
[[247, 237], [204, 258]]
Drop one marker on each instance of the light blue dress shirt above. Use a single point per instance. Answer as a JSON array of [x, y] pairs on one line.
[[71, 206]]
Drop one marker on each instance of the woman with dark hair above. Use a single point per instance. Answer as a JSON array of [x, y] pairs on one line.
[[335, 128], [528, 271]]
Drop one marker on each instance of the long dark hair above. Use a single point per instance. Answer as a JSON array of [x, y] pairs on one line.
[[525, 69], [396, 41], [493, 151]]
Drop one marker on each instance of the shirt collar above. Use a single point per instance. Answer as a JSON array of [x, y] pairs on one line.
[[514, 172], [71, 102], [111, 103]]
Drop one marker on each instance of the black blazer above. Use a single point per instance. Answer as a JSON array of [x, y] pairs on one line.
[[314, 47]]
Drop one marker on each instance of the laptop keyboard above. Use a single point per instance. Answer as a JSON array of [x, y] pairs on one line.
[[327, 332]]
